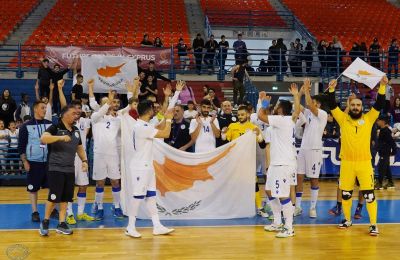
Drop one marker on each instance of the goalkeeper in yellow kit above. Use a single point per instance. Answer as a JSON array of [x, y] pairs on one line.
[[355, 132], [235, 130]]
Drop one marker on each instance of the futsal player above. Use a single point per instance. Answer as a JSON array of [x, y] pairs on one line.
[[355, 152], [309, 159], [142, 174], [204, 129], [281, 175]]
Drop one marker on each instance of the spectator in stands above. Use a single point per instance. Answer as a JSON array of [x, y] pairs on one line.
[[395, 112], [374, 52], [211, 48], [205, 90], [331, 128], [142, 77], [13, 146], [146, 42], [322, 55], [198, 45], [308, 56], [7, 107], [44, 78], [186, 95], [393, 59], [139, 67], [158, 43], [238, 74], [215, 104], [331, 58], [262, 67], [77, 89], [336, 43], [388, 97], [223, 46], [272, 63], [57, 75], [339, 52], [355, 52], [23, 109], [183, 54], [179, 136], [240, 50], [364, 50], [191, 112], [148, 89], [4, 137], [280, 55], [151, 71]]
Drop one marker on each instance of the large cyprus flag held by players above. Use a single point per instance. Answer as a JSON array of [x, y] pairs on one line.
[[215, 185], [362, 72], [109, 72]]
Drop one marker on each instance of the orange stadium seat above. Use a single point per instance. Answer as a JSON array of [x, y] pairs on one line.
[[359, 21], [12, 13]]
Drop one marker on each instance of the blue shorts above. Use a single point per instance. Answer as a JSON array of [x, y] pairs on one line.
[[37, 176]]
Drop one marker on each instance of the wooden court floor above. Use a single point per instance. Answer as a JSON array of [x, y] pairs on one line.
[[236, 242]]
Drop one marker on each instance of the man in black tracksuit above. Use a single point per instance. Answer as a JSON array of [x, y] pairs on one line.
[[386, 148]]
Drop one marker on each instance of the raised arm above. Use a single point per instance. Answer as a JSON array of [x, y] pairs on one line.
[[296, 97], [63, 101], [264, 111], [37, 91], [92, 100], [104, 109], [51, 94], [338, 114], [310, 104], [166, 131]]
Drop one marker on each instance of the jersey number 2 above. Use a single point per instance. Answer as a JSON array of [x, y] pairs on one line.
[[108, 125]]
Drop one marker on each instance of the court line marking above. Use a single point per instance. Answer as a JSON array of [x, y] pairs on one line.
[[178, 227]]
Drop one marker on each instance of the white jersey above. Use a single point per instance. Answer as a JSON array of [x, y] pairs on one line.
[[142, 141], [190, 114], [13, 138], [261, 124], [83, 124], [206, 139], [282, 140], [314, 129], [106, 132]]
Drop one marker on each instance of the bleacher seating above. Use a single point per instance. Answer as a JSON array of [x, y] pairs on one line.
[[107, 23], [359, 21], [12, 13], [241, 13]]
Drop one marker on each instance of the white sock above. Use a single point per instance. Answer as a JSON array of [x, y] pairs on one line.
[[133, 211], [299, 197], [153, 212], [81, 202], [99, 197], [288, 211], [276, 210], [116, 197], [314, 197], [69, 209]]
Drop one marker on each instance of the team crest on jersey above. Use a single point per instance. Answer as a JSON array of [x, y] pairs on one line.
[[234, 119], [361, 122], [183, 127], [76, 134]]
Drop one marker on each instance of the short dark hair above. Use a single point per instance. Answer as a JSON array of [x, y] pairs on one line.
[[181, 106], [211, 89], [132, 100], [27, 117], [144, 107], [317, 98], [286, 106], [79, 76], [36, 103], [205, 102], [12, 121], [66, 109], [56, 65], [190, 102], [45, 60], [76, 102], [222, 36], [243, 107], [212, 35], [239, 34], [152, 62]]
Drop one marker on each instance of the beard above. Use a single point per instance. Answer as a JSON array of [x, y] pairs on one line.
[[355, 115], [205, 114]]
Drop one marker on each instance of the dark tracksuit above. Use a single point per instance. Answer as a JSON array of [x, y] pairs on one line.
[[386, 148]]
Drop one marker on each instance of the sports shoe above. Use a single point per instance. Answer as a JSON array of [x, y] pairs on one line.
[[378, 186], [132, 233], [313, 213], [262, 213], [357, 214], [64, 229], [273, 228], [345, 224], [85, 217], [95, 208], [70, 220], [335, 211], [285, 233], [298, 211], [389, 185], [161, 230], [373, 230], [117, 212], [99, 214], [271, 217], [35, 217], [44, 227], [54, 214]]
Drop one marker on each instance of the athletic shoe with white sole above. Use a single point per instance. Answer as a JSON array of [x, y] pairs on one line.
[[64, 229], [70, 220], [273, 228], [298, 212], [85, 217], [262, 213], [373, 230], [161, 230], [313, 213], [132, 233], [44, 227], [345, 224], [285, 233]]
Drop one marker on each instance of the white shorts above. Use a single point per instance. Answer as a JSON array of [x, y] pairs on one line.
[[81, 178], [143, 180], [309, 162], [106, 166], [279, 180], [260, 161]]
